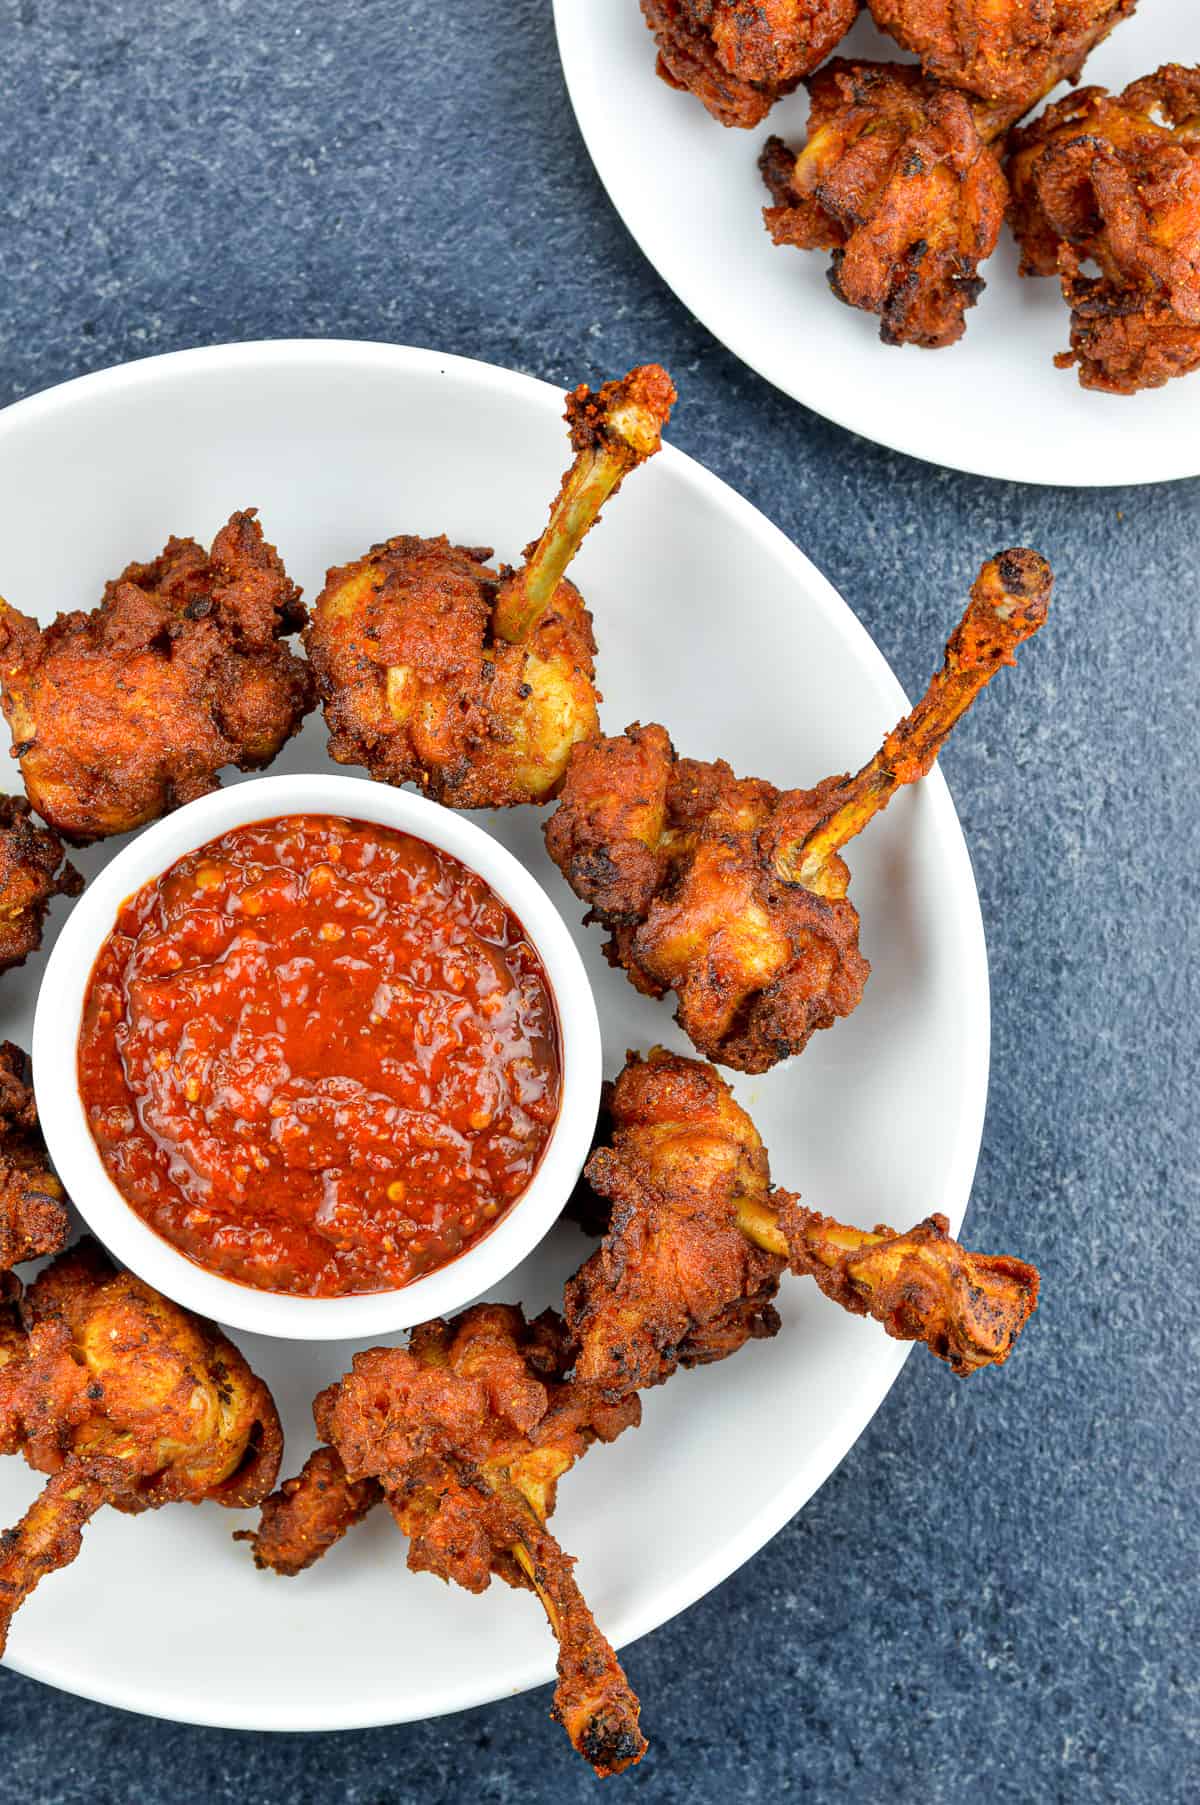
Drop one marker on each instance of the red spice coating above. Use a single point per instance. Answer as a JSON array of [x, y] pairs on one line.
[[319, 1056]]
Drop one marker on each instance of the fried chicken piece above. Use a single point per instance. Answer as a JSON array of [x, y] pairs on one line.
[[739, 57], [674, 1282], [121, 1398], [120, 715], [33, 870], [698, 1238], [33, 1217], [731, 892], [897, 182], [1007, 51], [437, 670], [1115, 180], [1123, 341], [309, 1514], [466, 1433]]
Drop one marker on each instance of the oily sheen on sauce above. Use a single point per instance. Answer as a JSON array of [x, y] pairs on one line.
[[319, 1056]]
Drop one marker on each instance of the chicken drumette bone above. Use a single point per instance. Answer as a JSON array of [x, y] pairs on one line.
[[121, 1398], [732, 893], [465, 1434], [437, 670], [122, 714]]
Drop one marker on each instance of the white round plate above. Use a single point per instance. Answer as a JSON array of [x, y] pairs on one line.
[[340, 445], [690, 192]]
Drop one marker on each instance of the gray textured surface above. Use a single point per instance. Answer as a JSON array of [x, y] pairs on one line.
[[995, 1597]]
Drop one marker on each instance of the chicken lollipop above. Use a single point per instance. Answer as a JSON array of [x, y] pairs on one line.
[[1010, 52], [32, 872], [437, 670], [896, 180], [732, 893], [123, 1399], [120, 715], [698, 1239], [1115, 180], [465, 1434], [740, 56], [33, 1216]]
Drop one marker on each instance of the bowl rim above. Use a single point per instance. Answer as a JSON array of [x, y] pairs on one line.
[[132, 1241]]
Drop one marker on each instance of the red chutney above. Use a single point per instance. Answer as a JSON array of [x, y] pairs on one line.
[[319, 1057]]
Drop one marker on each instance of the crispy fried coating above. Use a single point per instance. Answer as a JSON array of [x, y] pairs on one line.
[[33, 1217], [309, 1514], [122, 1398], [738, 57], [732, 893], [468, 1431], [699, 1235], [1123, 341], [120, 715], [674, 1282], [1114, 181], [1007, 51], [33, 870], [475, 683], [896, 181]]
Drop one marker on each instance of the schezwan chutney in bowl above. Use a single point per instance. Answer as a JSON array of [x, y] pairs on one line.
[[319, 1056]]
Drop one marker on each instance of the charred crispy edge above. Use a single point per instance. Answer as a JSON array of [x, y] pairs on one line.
[[1009, 602], [612, 431], [777, 166]]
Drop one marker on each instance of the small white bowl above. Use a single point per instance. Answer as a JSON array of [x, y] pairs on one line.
[[132, 1241]]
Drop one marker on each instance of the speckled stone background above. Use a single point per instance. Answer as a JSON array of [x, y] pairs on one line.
[[995, 1597]]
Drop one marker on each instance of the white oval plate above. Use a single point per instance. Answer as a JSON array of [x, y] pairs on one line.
[[706, 616], [690, 192]]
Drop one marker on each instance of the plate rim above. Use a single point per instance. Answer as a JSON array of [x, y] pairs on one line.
[[825, 1454], [569, 27]]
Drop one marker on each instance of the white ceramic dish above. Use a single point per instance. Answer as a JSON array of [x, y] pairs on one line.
[[690, 192], [132, 1241], [339, 445]]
